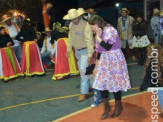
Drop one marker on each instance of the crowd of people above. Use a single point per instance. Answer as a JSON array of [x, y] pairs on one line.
[[89, 46]]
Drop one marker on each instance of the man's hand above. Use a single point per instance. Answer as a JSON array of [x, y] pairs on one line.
[[90, 60], [138, 37], [9, 44], [67, 54], [51, 55]]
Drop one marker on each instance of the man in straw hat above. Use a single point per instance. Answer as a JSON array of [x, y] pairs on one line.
[[47, 48], [12, 30], [81, 38], [124, 28], [155, 24]]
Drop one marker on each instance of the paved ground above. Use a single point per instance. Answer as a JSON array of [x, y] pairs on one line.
[[136, 108], [40, 99]]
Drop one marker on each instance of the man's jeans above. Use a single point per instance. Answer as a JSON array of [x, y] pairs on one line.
[[44, 58], [157, 36], [18, 52], [82, 57]]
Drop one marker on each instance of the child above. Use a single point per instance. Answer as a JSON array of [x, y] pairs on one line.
[[9, 66], [155, 56], [97, 96]]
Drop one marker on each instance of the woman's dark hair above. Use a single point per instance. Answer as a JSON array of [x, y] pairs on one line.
[[139, 16], [1, 27], [96, 19], [25, 24]]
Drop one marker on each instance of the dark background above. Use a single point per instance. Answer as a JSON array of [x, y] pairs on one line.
[[105, 8]]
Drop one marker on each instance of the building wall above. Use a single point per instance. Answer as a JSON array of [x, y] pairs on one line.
[[149, 5], [111, 14], [161, 4]]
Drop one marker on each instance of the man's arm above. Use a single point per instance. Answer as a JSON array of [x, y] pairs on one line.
[[43, 47], [89, 39], [69, 44]]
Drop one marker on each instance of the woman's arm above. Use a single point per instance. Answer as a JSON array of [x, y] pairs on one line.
[[18, 37]]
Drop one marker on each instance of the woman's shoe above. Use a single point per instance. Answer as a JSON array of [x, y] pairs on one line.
[[118, 109], [107, 109]]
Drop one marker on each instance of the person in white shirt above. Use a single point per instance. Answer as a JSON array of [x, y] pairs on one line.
[[12, 30], [48, 49]]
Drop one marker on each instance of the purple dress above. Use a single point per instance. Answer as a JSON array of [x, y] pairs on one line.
[[112, 72]]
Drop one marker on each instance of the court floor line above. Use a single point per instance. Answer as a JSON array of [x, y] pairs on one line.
[[45, 100], [132, 64], [88, 108]]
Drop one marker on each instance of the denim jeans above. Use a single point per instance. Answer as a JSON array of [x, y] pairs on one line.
[[18, 52], [160, 98], [44, 57], [82, 57], [97, 97], [157, 36]]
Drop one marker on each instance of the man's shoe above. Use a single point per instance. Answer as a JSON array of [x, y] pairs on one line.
[[133, 58], [82, 97]]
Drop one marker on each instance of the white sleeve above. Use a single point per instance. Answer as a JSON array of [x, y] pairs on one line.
[[43, 47], [55, 47]]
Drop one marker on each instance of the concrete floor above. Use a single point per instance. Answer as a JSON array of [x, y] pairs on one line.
[[41, 99]]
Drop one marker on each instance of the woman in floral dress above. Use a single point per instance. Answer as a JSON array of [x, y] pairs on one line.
[[111, 73]]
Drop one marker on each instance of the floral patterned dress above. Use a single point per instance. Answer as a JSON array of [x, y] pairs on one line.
[[112, 72]]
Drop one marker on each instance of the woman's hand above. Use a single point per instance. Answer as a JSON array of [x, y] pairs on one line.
[[98, 34], [9, 44], [138, 37]]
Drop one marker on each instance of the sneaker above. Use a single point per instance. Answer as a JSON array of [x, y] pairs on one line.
[[93, 105]]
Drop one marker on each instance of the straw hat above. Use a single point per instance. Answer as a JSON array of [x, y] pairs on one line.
[[91, 11], [81, 11], [155, 11], [37, 32], [49, 6], [2, 26], [5, 18], [28, 19], [161, 13], [73, 13], [124, 9]]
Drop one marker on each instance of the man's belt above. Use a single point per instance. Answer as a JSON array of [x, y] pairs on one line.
[[82, 49]]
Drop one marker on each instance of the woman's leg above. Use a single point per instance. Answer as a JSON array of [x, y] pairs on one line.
[[139, 56], [143, 53], [104, 95], [118, 104]]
